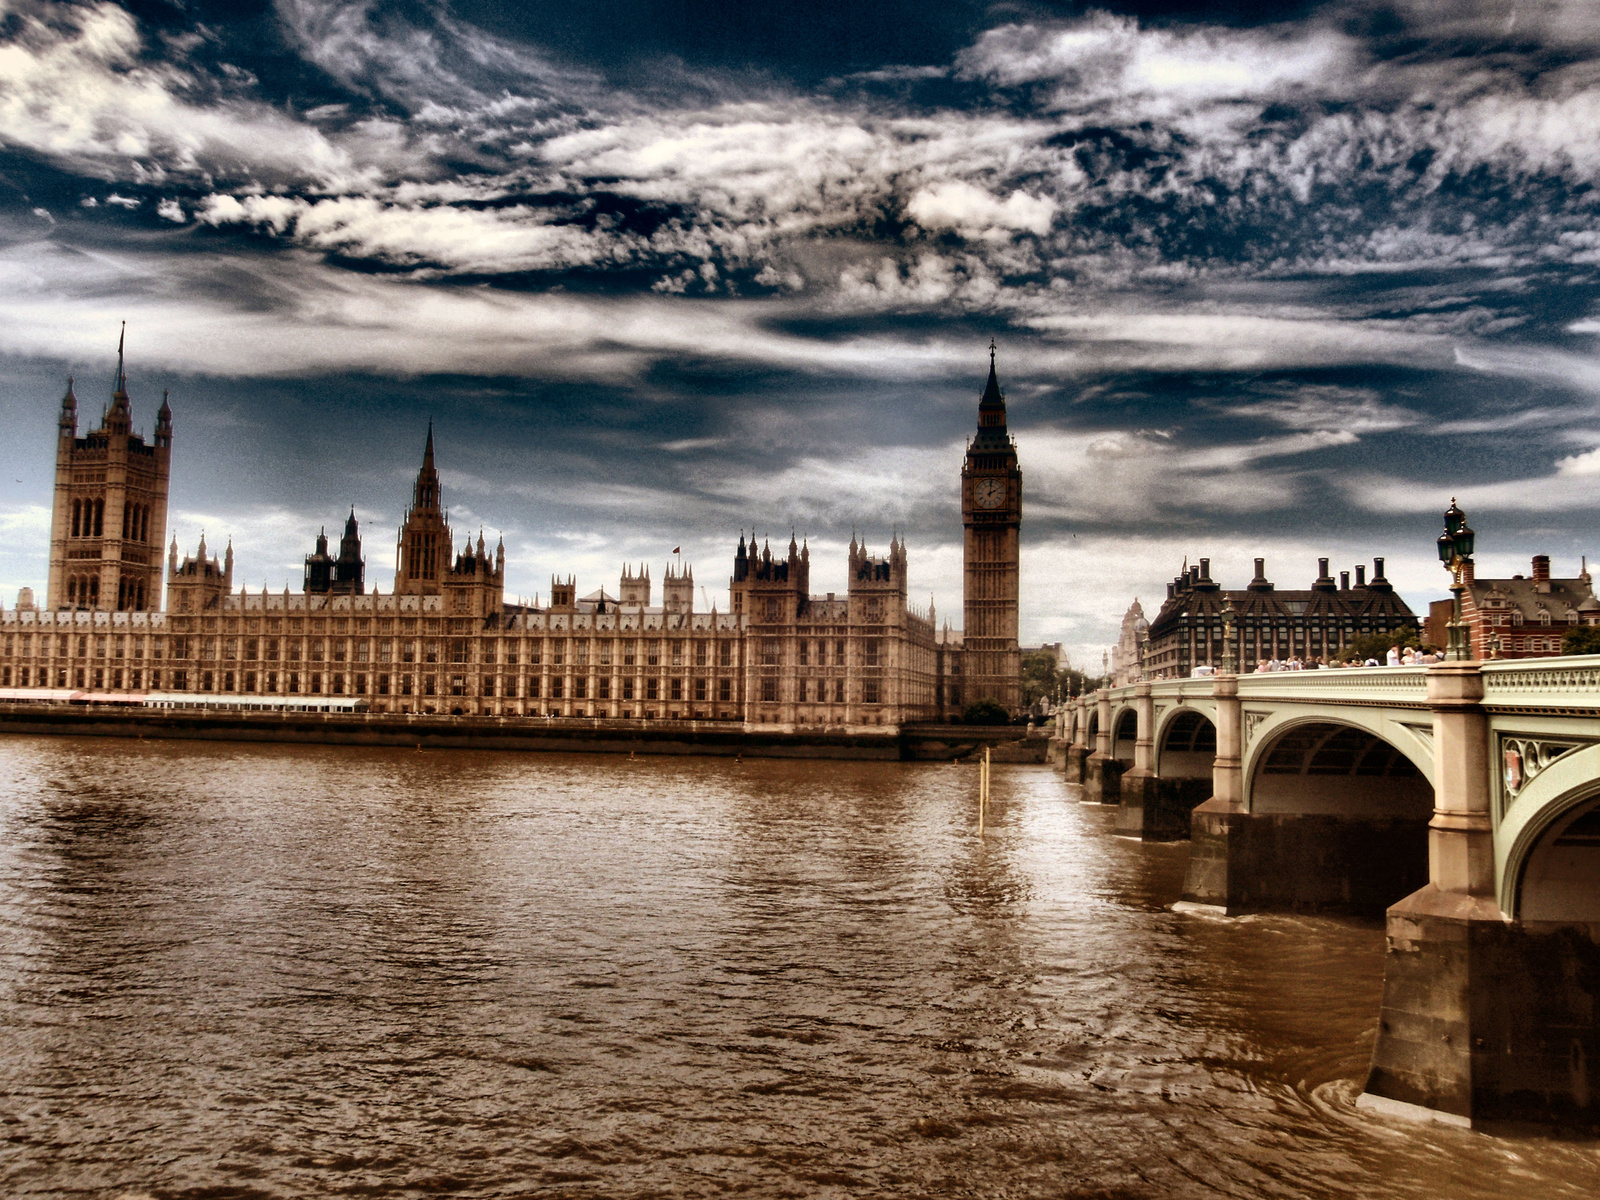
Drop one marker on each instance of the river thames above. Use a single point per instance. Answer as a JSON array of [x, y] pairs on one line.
[[263, 971]]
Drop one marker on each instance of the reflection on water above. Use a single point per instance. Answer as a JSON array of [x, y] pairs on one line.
[[289, 971]]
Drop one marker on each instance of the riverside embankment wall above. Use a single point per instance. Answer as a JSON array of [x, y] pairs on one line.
[[572, 735]]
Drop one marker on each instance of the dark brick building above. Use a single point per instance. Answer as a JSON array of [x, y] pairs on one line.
[[1268, 623]]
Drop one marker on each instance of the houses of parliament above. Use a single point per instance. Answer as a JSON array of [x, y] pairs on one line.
[[444, 639]]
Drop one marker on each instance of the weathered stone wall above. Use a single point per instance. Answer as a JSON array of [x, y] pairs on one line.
[[1240, 861]]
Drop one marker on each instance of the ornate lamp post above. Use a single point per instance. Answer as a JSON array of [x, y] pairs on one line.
[[1230, 660], [1455, 552]]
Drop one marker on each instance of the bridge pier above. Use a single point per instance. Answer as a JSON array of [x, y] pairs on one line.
[[1152, 808], [1102, 773], [1077, 752], [1485, 1021]]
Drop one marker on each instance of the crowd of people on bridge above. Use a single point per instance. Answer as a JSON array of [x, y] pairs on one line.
[[1397, 656]]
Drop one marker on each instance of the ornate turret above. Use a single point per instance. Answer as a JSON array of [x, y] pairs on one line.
[[110, 507], [422, 556], [69, 412]]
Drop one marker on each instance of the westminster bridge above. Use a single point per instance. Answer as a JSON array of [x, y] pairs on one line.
[[1463, 799]]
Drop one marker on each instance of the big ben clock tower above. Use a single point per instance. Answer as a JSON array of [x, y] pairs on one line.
[[991, 512]]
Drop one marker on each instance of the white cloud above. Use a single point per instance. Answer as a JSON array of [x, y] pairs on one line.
[[1108, 60], [977, 213]]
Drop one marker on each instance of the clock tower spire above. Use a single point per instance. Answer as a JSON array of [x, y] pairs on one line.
[[991, 514]]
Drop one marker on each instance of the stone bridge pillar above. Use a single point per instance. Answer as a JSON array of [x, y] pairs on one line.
[[1452, 970], [1139, 786], [1078, 748], [1227, 772], [1485, 1021], [1102, 777], [1217, 826]]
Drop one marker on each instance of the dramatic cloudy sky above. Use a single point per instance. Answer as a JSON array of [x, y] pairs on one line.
[[1270, 279]]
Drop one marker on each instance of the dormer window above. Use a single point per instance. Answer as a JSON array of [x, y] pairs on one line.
[[1544, 616]]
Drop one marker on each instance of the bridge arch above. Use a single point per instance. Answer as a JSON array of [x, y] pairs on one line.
[[1265, 737], [1124, 732], [1185, 744], [1550, 870], [1312, 765]]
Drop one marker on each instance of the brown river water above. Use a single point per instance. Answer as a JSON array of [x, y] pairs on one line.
[[264, 971]]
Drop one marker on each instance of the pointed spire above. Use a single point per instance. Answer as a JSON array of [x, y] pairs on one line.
[[992, 395], [427, 453], [122, 376]]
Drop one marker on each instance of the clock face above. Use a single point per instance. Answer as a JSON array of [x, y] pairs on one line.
[[989, 493]]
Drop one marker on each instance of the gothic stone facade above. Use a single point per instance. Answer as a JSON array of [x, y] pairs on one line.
[[446, 641], [109, 515], [991, 516]]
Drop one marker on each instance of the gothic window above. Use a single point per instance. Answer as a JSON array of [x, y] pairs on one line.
[[652, 655], [77, 516], [603, 687], [605, 652], [677, 654], [580, 688], [872, 652], [725, 656], [652, 688], [838, 653], [627, 688], [769, 689], [700, 654], [558, 651], [769, 652], [556, 685], [869, 691], [724, 689], [99, 517], [700, 689], [838, 690]]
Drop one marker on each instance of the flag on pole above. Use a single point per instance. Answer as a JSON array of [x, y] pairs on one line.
[[677, 549]]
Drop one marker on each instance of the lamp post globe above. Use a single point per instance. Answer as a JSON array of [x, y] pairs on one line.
[[1456, 544]]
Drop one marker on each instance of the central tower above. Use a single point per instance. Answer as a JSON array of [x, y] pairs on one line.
[[991, 514], [422, 558]]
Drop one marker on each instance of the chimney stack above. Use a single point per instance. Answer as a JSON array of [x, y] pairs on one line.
[[1361, 576], [1541, 568], [1344, 581], [1205, 569]]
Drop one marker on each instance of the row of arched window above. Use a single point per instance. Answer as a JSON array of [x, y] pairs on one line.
[[83, 591], [88, 520], [136, 523], [88, 516]]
